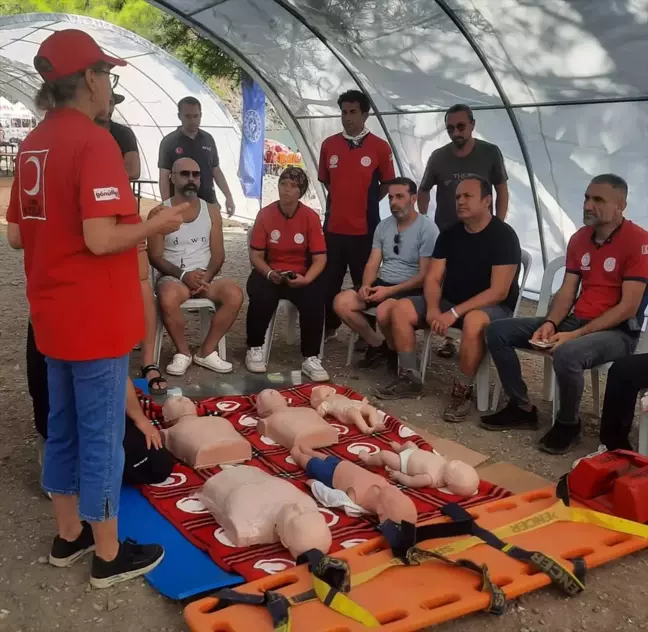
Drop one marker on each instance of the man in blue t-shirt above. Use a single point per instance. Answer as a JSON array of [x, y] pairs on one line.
[[400, 256]]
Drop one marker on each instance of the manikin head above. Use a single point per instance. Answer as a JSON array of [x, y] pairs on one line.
[[270, 401], [460, 478], [301, 530], [177, 407], [392, 504], [319, 394]]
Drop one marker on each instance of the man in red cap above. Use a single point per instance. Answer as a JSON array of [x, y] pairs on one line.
[[74, 214]]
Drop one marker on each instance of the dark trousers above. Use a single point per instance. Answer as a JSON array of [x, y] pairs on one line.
[[342, 252], [264, 297], [142, 466], [625, 379]]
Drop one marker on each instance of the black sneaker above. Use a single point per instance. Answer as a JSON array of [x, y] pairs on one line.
[[561, 438], [511, 417], [408, 384], [132, 561], [64, 553], [373, 356]]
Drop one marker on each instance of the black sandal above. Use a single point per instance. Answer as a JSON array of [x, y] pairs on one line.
[[154, 381]]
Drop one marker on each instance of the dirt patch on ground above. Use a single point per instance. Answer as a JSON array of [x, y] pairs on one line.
[[35, 597]]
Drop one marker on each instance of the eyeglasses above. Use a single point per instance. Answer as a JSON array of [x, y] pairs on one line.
[[114, 79], [186, 173], [460, 127], [396, 242]]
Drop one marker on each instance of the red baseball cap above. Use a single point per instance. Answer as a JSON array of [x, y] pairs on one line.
[[66, 52]]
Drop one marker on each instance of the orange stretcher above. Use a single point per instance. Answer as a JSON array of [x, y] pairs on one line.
[[407, 598]]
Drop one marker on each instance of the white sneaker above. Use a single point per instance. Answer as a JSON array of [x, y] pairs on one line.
[[213, 362], [254, 361], [600, 450], [313, 369], [179, 364]]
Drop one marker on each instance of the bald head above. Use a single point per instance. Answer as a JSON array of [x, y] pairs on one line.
[[185, 176]]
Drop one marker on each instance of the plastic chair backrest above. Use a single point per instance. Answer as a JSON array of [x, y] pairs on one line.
[[526, 260], [547, 284]]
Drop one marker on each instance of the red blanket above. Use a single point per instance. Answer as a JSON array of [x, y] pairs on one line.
[[172, 498]]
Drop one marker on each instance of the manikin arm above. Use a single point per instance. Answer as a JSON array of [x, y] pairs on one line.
[[384, 458], [418, 480]]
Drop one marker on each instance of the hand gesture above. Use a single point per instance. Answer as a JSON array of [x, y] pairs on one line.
[[543, 333], [230, 206], [151, 433], [194, 279], [298, 281], [561, 338], [440, 323], [364, 293], [275, 277], [378, 294], [168, 218]]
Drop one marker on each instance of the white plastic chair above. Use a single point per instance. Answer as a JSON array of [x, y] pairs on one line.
[[482, 379], [291, 332], [205, 309], [541, 310]]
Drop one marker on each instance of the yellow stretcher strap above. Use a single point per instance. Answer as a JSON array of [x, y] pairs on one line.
[[339, 602]]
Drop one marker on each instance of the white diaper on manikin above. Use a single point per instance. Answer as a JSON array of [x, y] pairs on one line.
[[335, 499], [404, 458]]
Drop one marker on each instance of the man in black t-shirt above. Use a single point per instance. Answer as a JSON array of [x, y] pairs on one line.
[[124, 137], [471, 281], [189, 141]]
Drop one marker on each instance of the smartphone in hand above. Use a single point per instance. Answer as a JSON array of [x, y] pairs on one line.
[[288, 274], [542, 345]]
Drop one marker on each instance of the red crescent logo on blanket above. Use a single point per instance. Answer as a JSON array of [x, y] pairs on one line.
[[356, 448], [274, 565]]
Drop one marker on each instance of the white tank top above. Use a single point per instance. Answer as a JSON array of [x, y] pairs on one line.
[[188, 247]]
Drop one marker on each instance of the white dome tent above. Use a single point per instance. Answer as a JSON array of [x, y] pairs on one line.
[[559, 85], [152, 83]]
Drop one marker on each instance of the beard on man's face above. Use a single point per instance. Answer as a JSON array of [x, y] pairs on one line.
[[190, 190]]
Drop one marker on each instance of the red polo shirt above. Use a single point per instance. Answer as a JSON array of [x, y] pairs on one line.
[[353, 175], [604, 267], [288, 242], [82, 306]]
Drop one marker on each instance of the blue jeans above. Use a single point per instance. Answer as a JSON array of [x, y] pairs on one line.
[[570, 360], [83, 453]]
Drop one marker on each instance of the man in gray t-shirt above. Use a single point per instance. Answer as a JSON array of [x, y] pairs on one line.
[[400, 256], [463, 157]]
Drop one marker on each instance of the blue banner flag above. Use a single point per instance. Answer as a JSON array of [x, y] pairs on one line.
[[252, 144]]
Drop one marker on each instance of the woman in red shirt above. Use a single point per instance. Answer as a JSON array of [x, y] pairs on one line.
[[73, 212], [288, 254]]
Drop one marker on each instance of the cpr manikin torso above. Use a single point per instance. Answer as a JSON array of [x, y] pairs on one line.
[[292, 426], [413, 467], [201, 441], [373, 493], [256, 508], [359, 413]]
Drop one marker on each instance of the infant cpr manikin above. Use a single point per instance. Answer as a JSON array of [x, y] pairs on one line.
[[358, 413]]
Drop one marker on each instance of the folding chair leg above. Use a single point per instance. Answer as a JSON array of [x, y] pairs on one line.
[[556, 398], [482, 383], [497, 391], [643, 428], [596, 393], [205, 322], [222, 348], [549, 379], [159, 334], [267, 343], [426, 354], [353, 338], [293, 320]]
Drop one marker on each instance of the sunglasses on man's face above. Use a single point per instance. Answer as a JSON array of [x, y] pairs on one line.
[[396, 242], [185, 173], [460, 127]]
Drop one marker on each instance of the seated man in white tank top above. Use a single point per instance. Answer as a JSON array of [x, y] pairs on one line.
[[188, 261]]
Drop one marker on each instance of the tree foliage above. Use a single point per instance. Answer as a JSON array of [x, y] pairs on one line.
[[203, 57]]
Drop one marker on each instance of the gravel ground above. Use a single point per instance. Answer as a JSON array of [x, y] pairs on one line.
[[37, 597]]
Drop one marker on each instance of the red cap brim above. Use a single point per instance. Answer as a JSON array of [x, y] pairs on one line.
[[114, 61]]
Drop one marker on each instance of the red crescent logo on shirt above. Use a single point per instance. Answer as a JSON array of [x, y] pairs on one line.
[[31, 177], [179, 150]]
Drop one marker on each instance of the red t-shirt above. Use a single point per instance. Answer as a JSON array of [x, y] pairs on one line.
[[353, 176], [83, 306], [603, 268], [289, 242]]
